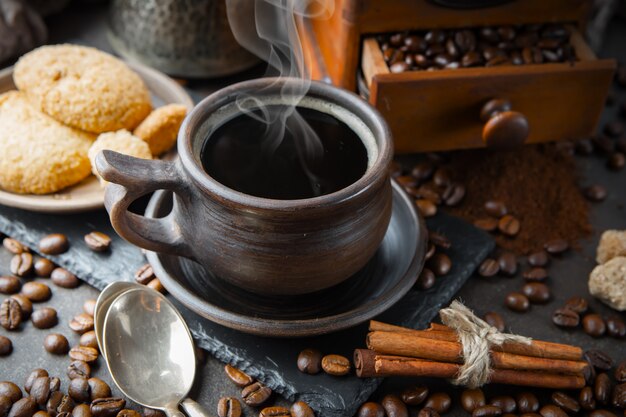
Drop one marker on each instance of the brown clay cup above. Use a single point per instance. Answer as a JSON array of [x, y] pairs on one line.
[[264, 246]]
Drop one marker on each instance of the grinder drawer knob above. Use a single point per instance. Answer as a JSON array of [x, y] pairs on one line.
[[503, 128]]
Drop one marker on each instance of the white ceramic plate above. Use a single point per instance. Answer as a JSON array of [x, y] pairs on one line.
[[88, 194]]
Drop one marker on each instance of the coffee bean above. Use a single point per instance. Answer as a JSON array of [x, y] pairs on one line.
[[595, 193], [565, 402], [24, 407], [44, 318], [13, 246], [536, 274], [508, 263], [336, 365], [5, 406], [426, 207], [64, 278], [615, 327], [577, 304], [620, 372], [564, 317], [82, 410], [430, 251], [43, 267], [128, 413], [440, 264], [275, 411], [10, 390], [56, 343], [394, 407], [255, 394], [144, 274], [98, 388], [517, 302], [552, 411], [426, 279], [494, 319], [34, 374], [618, 398], [404, 180], [25, 304], [488, 268], [506, 403], [509, 225], [82, 323], [10, 314], [40, 390], [439, 240], [89, 306], [537, 292], [54, 244], [423, 171], [84, 353], [439, 401], [6, 347], [371, 409], [107, 407], [79, 390], [79, 369], [239, 378], [228, 407], [398, 67], [496, 208], [539, 258], [487, 411], [602, 413], [21, 265], [488, 224], [602, 388], [59, 403], [616, 161], [301, 409], [586, 399], [9, 285], [414, 395], [151, 412], [556, 246], [527, 402], [309, 361], [156, 285], [599, 359], [36, 291], [453, 194], [97, 241], [584, 147], [471, 399], [89, 339], [593, 325]]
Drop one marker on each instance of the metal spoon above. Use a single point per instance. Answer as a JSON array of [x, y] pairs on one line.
[[149, 351], [106, 297]]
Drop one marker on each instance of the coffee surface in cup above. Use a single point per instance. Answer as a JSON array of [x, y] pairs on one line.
[[241, 155]]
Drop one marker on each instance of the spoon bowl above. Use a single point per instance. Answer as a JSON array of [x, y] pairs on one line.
[[104, 301]]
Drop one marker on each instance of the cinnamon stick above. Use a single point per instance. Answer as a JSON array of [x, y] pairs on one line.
[[371, 364], [537, 348]]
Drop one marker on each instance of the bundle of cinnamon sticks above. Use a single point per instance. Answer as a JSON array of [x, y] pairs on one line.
[[436, 352]]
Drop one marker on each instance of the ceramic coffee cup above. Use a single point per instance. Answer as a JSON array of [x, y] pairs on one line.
[[265, 246]]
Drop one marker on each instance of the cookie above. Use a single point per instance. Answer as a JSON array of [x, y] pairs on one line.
[[38, 154], [83, 88], [160, 128], [121, 141]]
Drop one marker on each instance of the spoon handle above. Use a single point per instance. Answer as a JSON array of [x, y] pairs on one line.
[[173, 412], [193, 409]]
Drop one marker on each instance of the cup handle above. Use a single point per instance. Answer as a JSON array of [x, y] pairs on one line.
[[131, 178]]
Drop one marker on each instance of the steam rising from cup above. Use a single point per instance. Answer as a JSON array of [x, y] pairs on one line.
[[268, 28]]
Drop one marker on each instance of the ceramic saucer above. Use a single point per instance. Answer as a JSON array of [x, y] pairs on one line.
[[380, 284]]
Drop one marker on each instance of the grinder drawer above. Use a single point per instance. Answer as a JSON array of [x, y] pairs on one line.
[[441, 109]]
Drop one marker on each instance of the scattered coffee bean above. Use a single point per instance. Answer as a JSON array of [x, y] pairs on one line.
[[84, 353], [422, 171], [44, 318], [527, 402], [24, 407], [552, 411], [506, 403], [128, 413], [228, 407], [10, 390], [536, 292], [517, 302], [79, 369], [34, 374], [255, 394], [619, 396], [430, 251], [97, 241], [488, 224], [598, 359], [56, 343], [89, 339], [394, 407], [5, 406], [577, 304], [64, 278], [107, 407], [509, 225], [336, 365], [620, 372], [508, 263], [426, 279], [440, 264], [616, 161], [593, 325], [79, 390], [43, 267], [371, 409], [239, 378], [496, 209], [489, 268], [602, 413], [10, 314], [21, 265], [98, 388], [156, 285], [535, 274], [615, 327], [25, 304], [539, 258], [595, 193], [13, 246], [565, 402], [471, 399], [414, 395], [487, 411], [6, 347], [439, 401], [310, 361], [36, 291], [81, 410], [59, 403], [40, 391], [494, 319], [81, 323], [301, 409], [586, 399], [54, 244], [9, 285], [426, 207], [439, 240], [427, 412], [151, 412], [556, 246], [602, 388], [564, 317], [453, 194]]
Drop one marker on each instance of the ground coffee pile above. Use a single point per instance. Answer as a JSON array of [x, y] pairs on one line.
[[539, 186]]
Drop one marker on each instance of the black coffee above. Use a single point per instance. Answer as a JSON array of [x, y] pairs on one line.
[[243, 155]]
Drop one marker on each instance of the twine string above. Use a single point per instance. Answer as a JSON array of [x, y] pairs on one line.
[[476, 337]]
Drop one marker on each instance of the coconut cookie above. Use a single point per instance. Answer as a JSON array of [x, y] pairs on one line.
[[83, 88], [38, 155], [160, 128], [121, 141]]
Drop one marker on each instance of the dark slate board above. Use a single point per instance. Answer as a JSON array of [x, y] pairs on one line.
[[269, 360]]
